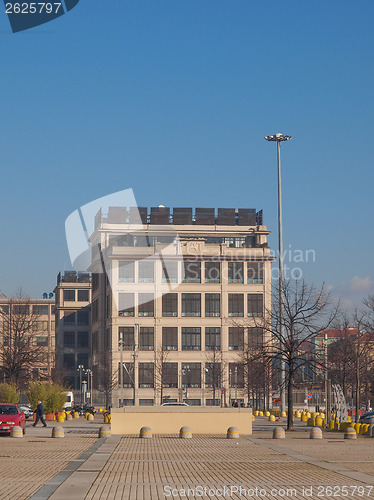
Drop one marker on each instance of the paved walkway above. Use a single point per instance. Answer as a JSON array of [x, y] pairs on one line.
[[83, 467]]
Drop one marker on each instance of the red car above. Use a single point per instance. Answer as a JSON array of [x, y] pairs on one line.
[[11, 415]]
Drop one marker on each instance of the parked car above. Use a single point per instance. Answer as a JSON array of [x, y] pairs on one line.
[[367, 418], [10, 416], [26, 410], [175, 404]]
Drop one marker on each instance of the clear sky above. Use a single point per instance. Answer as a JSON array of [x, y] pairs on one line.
[[173, 98]]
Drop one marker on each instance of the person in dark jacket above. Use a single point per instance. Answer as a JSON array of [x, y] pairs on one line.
[[39, 414]]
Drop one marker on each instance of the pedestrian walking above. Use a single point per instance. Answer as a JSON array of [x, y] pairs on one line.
[[235, 403], [39, 414]]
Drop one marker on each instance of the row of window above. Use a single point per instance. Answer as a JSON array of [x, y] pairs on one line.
[[191, 375], [36, 309], [190, 304], [40, 340], [80, 318], [191, 338], [72, 361], [71, 295], [192, 271], [75, 339]]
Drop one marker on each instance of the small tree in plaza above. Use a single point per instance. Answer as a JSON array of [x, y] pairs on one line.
[[53, 396], [9, 393]]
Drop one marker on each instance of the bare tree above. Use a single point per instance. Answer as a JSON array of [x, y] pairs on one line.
[[161, 356], [19, 349], [214, 370], [304, 313]]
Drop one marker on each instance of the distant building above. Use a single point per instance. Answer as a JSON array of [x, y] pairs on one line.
[[72, 310], [33, 319], [177, 297]]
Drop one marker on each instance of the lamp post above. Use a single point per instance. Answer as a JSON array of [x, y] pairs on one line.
[[89, 383], [120, 373], [136, 343], [84, 390], [185, 370], [278, 138], [327, 396], [230, 387], [205, 371], [236, 382], [80, 370]]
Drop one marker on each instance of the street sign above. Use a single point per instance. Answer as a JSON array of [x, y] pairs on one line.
[[309, 396], [223, 390]]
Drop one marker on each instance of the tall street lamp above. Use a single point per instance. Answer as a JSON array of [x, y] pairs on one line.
[[80, 370], [89, 384], [278, 138]]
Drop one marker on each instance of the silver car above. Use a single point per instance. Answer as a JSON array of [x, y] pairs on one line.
[[26, 410]]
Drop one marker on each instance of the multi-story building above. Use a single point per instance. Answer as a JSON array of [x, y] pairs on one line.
[[72, 311], [30, 325], [176, 301]]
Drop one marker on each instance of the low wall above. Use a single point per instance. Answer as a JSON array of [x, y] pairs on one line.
[[168, 420]]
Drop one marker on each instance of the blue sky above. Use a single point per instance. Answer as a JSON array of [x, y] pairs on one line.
[[173, 99]]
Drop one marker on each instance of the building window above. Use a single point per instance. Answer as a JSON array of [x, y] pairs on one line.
[[192, 271], [170, 304], [191, 339], [146, 339], [95, 341], [146, 304], [82, 359], [212, 304], [146, 402], [170, 375], [255, 304], [236, 304], [83, 295], [21, 310], [40, 310], [82, 340], [191, 304], [95, 281], [213, 375], [146, 375], [41, 341], [235, 272], [126, 333], [69, 295], [69, 361], [95, 310], [255, 338], [170, 272], [83, 318], [126, 305], [212, 272], [127, 374], [236, 375], [146, 271], [236, 338], [191, 375], [126, 271], [255, 272], [69, 319], [213, 339], [69, 339], [170, 338]]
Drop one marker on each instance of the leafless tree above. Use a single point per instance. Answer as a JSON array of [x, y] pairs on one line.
[[302, 313], [161, 357], [214, 369], [19, 349]]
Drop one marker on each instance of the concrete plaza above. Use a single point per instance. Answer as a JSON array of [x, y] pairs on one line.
[[82, 466]]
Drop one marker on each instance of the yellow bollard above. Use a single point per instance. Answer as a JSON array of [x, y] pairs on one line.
[[90, 417], [350, 433], [57, 432], [232, 433], [16, 432], [267, 413], [311, 422], [318, 421], [331, 425], [260, 413], [60, 419], [283, 414], [357, 428], [271, 418], [303, 418]]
